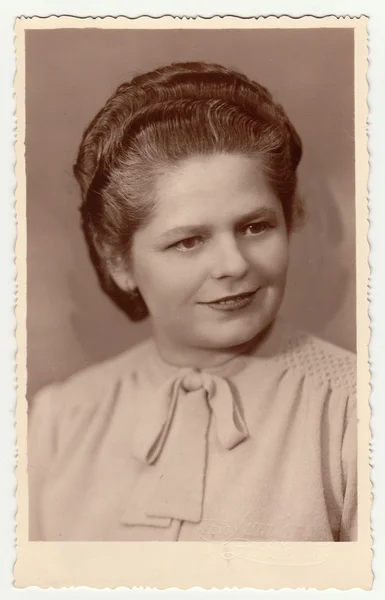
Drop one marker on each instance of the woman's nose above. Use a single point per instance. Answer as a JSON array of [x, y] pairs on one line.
[[230, 261]]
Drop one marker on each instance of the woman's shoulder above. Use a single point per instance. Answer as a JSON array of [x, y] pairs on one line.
[[95, 382], [321, 360]]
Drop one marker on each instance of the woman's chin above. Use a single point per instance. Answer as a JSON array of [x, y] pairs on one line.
[[238, 332]]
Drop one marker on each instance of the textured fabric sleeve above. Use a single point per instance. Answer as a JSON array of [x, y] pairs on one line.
[[348, 530], [41, 449]]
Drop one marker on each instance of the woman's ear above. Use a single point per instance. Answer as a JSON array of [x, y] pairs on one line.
[[121, 274]]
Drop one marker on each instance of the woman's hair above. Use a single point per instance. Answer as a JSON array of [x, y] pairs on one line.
[[158, 119]]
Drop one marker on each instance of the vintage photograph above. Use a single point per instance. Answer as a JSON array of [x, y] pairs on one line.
[[191, 244]]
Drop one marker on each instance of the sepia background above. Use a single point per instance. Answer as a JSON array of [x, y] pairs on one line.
[[70, 74]]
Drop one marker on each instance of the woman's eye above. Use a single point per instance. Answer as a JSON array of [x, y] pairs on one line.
[[256, 228], [188, 243]]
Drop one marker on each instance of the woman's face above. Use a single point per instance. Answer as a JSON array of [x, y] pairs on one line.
[[211, 264]]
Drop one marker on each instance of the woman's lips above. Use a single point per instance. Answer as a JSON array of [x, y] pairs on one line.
[[232, 302]]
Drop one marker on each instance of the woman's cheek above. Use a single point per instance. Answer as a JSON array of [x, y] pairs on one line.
[[175, 278], [188, 277], [279, 249], [271, 260], [280, 263]]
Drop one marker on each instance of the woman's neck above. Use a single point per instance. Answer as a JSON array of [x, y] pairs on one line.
[[180, 355]]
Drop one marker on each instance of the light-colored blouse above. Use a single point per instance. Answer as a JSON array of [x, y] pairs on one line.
[[260, 448]]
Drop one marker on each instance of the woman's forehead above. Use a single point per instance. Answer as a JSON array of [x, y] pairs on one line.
[[210, 187], [211, 171]]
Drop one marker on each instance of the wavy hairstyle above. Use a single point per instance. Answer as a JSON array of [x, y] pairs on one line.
[[158, 119]]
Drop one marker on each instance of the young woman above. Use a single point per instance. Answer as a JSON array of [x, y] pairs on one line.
[[229, 424]]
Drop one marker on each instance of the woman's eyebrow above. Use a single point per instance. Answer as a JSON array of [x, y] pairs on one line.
[[186, 230], [259, 213]]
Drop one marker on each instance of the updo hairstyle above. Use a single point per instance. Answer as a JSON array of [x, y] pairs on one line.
[[158, 119]]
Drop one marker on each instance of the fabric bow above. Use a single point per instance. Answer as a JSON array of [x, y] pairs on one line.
[[170, 438]]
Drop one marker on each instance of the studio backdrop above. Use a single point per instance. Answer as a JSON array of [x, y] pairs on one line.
[[69, 76]]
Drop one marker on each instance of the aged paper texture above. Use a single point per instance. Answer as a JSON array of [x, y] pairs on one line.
[[272, 565]]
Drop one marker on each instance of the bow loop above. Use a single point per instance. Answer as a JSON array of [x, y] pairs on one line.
[[154, 423], [230, 425]]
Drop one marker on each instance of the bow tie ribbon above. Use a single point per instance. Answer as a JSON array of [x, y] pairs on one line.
[[170, 440]]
